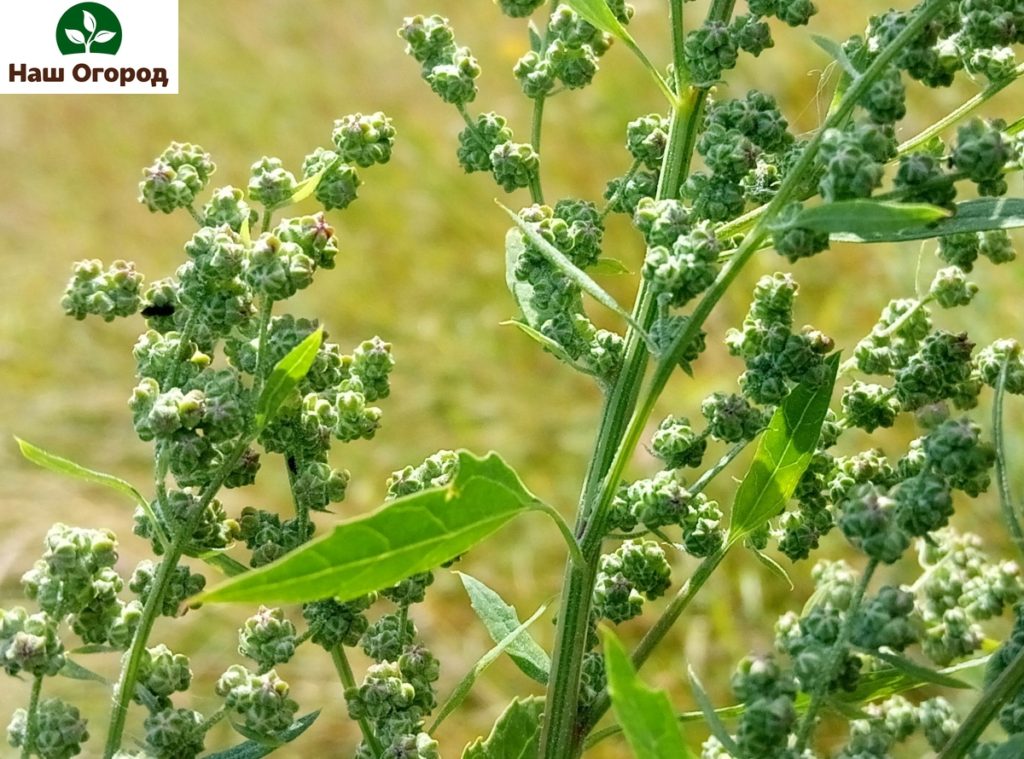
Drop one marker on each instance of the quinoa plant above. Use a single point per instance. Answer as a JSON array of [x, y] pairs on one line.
[[715, 180]]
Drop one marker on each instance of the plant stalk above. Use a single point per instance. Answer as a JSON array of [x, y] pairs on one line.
[[32, 718], [834, 660], [348, 680], [125, 688]]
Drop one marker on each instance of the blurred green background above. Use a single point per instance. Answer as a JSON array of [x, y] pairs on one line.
[[422, 266]]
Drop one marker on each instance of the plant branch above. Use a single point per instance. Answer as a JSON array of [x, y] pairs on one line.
[[348, 680], [1011, 513], [32, 718], [835, 659]]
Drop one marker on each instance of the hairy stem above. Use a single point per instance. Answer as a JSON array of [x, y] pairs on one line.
[[32, 718], [562, 736], [348, 680]]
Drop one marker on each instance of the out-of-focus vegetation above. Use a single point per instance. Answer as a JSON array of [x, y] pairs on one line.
[[421, 265]]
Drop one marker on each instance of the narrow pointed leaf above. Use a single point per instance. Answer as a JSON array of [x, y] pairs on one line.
[[408, 535], [515, 735], [889, 681], [868, 217], [783, 452], [461, 690], [89, 21], [286, 376], [224, 563], [776, 569], [245, 233], [645, 714], [609, 265], [67, 467], [970, 216], [255, 749], [308, 186], [75, 671], [500, 619], [597, 13], [547, 343], [836, 52], [573, 272], [711, 717], [917, 671]]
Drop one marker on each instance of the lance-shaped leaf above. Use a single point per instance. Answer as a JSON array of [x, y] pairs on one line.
[[569, 269], [461, 690], [597, 13], [783, 453], [916, 671], [408, 535], [256, 749], [75, 36], [714, 723], [867, 217], [885, 682], [308, 186], [286, 376], [645, 714], [547, 343], [501, 619], [970, 216], [65, 466], [89, 21], [75, 671]]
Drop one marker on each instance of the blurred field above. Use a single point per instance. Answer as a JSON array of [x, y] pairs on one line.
[[422, 266]]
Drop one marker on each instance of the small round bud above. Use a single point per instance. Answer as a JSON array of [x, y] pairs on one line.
[[268, 638], [454, 81], [163, 672], [477, 142], [59, 730], [333, 624], [106, 293], [261, 701], [339, 183], [950, 288], [514, 165], [175, 732], [270, 183], [677, 444], [364, 140], [647, 138]]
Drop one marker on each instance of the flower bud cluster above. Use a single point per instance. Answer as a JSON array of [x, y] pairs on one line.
[[776, 357]]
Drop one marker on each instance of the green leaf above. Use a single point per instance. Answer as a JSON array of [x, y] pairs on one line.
[[609, 265], [710, 716], [867, 217], [597, 13], [645, 714], [224, 563], [408, 535], [970, 216], [501, 619], [573, 272], [536, 38], [836, 52], [889, 681], [461, 690], [255, 749], [547, 343], [783, 453], [75, 671], [515, 735], [245, 233], [286, 376], [65, 466], [917, 671], [776, 569], [307, 186]]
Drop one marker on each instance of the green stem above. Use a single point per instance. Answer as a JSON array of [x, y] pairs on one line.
[[963, 110], [1010, 512], [213, 719], [660, 629], [561, 737], [563, 527], [1006, 686], [32, 719], [125, 688], [835, 659], [851, 363], [195, 214], [348, 680]]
